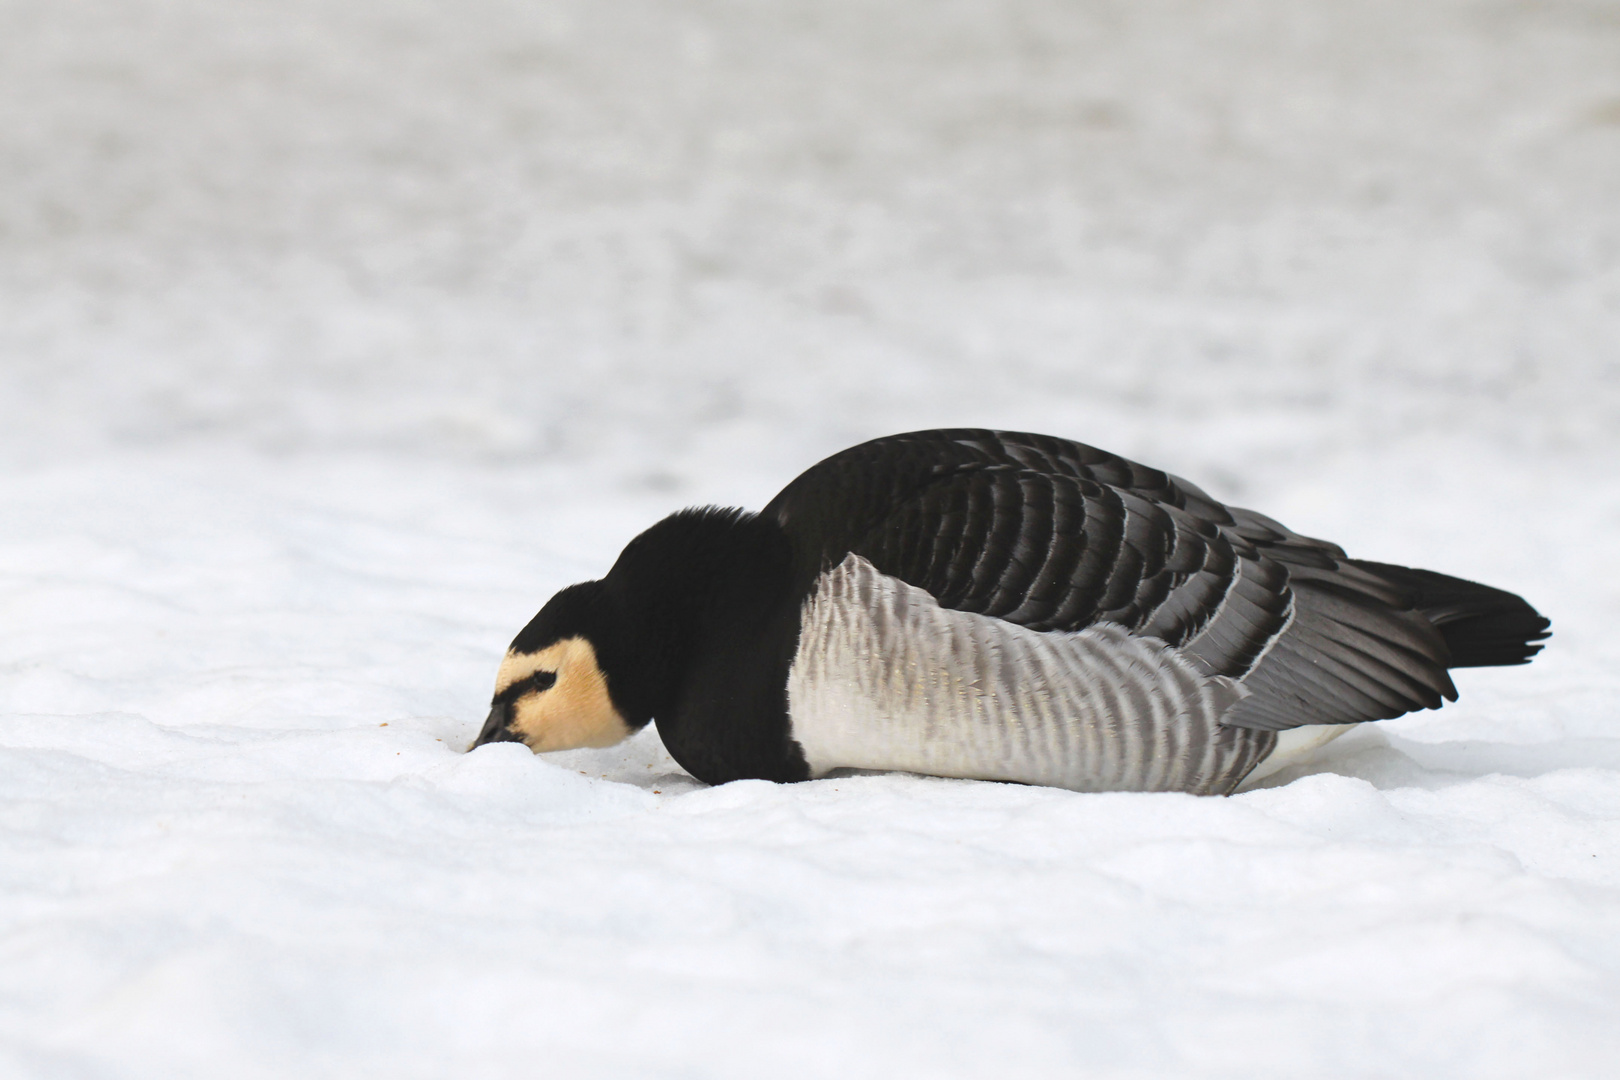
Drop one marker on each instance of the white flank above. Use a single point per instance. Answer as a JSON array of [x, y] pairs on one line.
[[884, 678]]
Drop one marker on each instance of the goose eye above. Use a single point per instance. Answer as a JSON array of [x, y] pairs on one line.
[[542, 680]]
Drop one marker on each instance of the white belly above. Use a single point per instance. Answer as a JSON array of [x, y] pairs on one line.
[[884, 678], [1294, 745]]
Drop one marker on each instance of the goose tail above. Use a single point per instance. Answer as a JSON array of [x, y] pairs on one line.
[[1482, 626]]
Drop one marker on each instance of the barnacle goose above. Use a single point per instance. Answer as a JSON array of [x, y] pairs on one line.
[[998, 606]]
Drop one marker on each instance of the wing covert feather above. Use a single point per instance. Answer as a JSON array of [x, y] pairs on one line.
[[1044, 533], [1055, 535]]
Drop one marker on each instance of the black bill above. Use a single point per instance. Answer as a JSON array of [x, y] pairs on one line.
[[495, 728]]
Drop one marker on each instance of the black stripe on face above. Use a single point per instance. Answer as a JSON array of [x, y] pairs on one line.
[[540, 680], [497, 727]]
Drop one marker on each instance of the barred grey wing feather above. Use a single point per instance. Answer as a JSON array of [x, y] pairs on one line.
[[1054, 535]]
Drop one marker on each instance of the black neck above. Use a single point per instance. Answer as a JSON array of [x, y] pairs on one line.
[[695, 580]]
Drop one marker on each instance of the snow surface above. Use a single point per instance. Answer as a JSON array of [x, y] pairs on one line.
[[334, 338]]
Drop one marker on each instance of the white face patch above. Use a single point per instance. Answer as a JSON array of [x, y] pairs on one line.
[[575, 711]]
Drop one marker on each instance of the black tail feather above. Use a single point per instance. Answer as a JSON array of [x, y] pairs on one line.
[[1482, 626]]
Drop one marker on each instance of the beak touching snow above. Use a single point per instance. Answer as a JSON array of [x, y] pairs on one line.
[[495, 728], [553, 699]]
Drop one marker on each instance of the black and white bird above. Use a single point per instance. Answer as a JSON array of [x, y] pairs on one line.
[[996, 606]]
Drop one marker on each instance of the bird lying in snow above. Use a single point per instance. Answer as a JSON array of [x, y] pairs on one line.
[[997, 606]]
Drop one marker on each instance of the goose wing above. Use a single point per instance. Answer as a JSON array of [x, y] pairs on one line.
[[1055, 535]]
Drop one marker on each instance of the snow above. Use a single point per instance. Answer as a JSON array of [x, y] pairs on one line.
[[334, 338]]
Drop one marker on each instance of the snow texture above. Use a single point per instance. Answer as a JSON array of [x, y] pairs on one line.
[[335, 337]]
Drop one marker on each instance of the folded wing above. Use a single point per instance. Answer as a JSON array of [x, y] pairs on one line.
[[1054, 535]]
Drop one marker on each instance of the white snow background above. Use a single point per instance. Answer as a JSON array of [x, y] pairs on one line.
[[335, 337]]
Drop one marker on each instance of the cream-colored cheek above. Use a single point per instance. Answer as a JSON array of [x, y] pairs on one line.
[[516, 666], [576, 711]]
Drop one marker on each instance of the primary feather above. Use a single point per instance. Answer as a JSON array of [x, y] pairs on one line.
[[1054, 535]]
